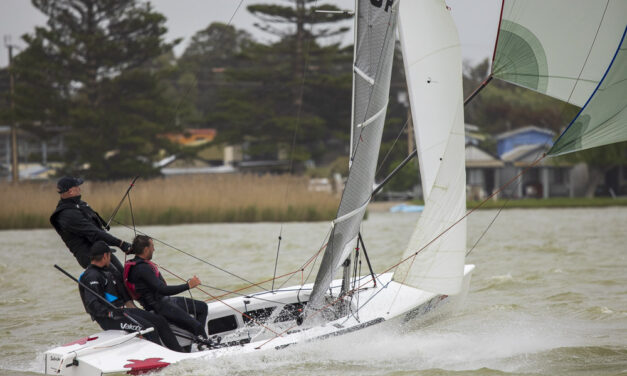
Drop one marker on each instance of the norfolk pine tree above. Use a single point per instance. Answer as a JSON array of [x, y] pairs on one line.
[[99, 82]]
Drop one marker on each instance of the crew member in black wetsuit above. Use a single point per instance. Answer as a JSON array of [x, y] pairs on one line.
[[79, 225], [107, 284], [146, 285]]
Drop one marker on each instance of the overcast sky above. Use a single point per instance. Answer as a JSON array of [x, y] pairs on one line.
[[476, 20]]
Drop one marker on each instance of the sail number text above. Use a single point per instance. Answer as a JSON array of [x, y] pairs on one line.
[[379, 3]]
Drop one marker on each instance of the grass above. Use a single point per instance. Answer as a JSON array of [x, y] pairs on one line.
[[175, 200], [557, 202]]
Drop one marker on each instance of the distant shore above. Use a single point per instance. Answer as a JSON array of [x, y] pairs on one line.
[[558, 202], [216, 199], [530, 203]]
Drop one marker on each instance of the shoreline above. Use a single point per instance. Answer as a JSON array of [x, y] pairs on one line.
[[254, 214]]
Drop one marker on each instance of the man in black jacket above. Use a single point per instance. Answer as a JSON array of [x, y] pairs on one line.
[[99, 278], [79, 225], [145, 283]]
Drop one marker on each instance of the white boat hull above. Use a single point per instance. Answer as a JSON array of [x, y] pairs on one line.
[[116, 351]]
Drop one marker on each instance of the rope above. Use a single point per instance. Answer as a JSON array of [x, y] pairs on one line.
[[190, 255], [251, 284], [413, 256], [223, 302]]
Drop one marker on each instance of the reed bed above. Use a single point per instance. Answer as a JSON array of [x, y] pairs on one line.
[[177, 200]]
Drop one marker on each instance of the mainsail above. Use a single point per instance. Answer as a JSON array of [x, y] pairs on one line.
[[375, 28], [432, 57], [558, 47]]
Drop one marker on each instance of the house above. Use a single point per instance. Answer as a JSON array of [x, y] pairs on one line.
[[519, 150], [482, 172], [34, 153]]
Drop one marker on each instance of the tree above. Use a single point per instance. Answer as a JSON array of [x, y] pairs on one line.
[[98, 81], [600, 161], [201, 80], [291, 95], [502, 106]]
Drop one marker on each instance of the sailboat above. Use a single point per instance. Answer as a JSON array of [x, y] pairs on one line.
[[431, 275]]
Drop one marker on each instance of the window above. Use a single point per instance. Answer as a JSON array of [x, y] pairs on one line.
[[222, 324]]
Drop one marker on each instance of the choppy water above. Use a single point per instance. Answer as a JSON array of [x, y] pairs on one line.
[[548, 297]]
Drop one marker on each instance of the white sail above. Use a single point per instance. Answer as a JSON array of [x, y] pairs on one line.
[[558, 47], [375, 29], [432, 56]]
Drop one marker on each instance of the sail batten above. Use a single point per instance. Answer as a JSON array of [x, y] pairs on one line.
[[363, 75], [374, 117], [375, 27]]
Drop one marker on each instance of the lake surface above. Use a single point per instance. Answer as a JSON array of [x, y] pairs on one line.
[[548, 296]]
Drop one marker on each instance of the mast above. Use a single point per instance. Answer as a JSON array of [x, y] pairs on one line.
[[355, 19], [375, 34], [346, 265]]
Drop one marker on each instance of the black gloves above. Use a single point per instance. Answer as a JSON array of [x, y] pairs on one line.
[[125, 247]]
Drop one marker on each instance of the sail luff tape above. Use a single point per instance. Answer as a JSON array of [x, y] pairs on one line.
[[349, 214], [375, 116], [363, 75]]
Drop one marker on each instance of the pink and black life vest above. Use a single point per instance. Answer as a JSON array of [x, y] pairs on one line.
[[127, 270]]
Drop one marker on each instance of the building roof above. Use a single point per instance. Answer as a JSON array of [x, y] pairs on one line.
[[477, 157], [525, 153], [529, 128], [192, 137]]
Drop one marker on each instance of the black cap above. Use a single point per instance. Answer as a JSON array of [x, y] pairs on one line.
[[65, 183], [100, 248]]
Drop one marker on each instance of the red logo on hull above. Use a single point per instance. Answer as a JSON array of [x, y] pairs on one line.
[[143, 366]]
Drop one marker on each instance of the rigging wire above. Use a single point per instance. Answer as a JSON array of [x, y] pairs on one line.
[[412, 257], [190, 255], [382, 163], [359, 140], [294, 136], [314, 258], [276, 261], [228, 305], [251, 284], [130, 205], [189, 88]]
